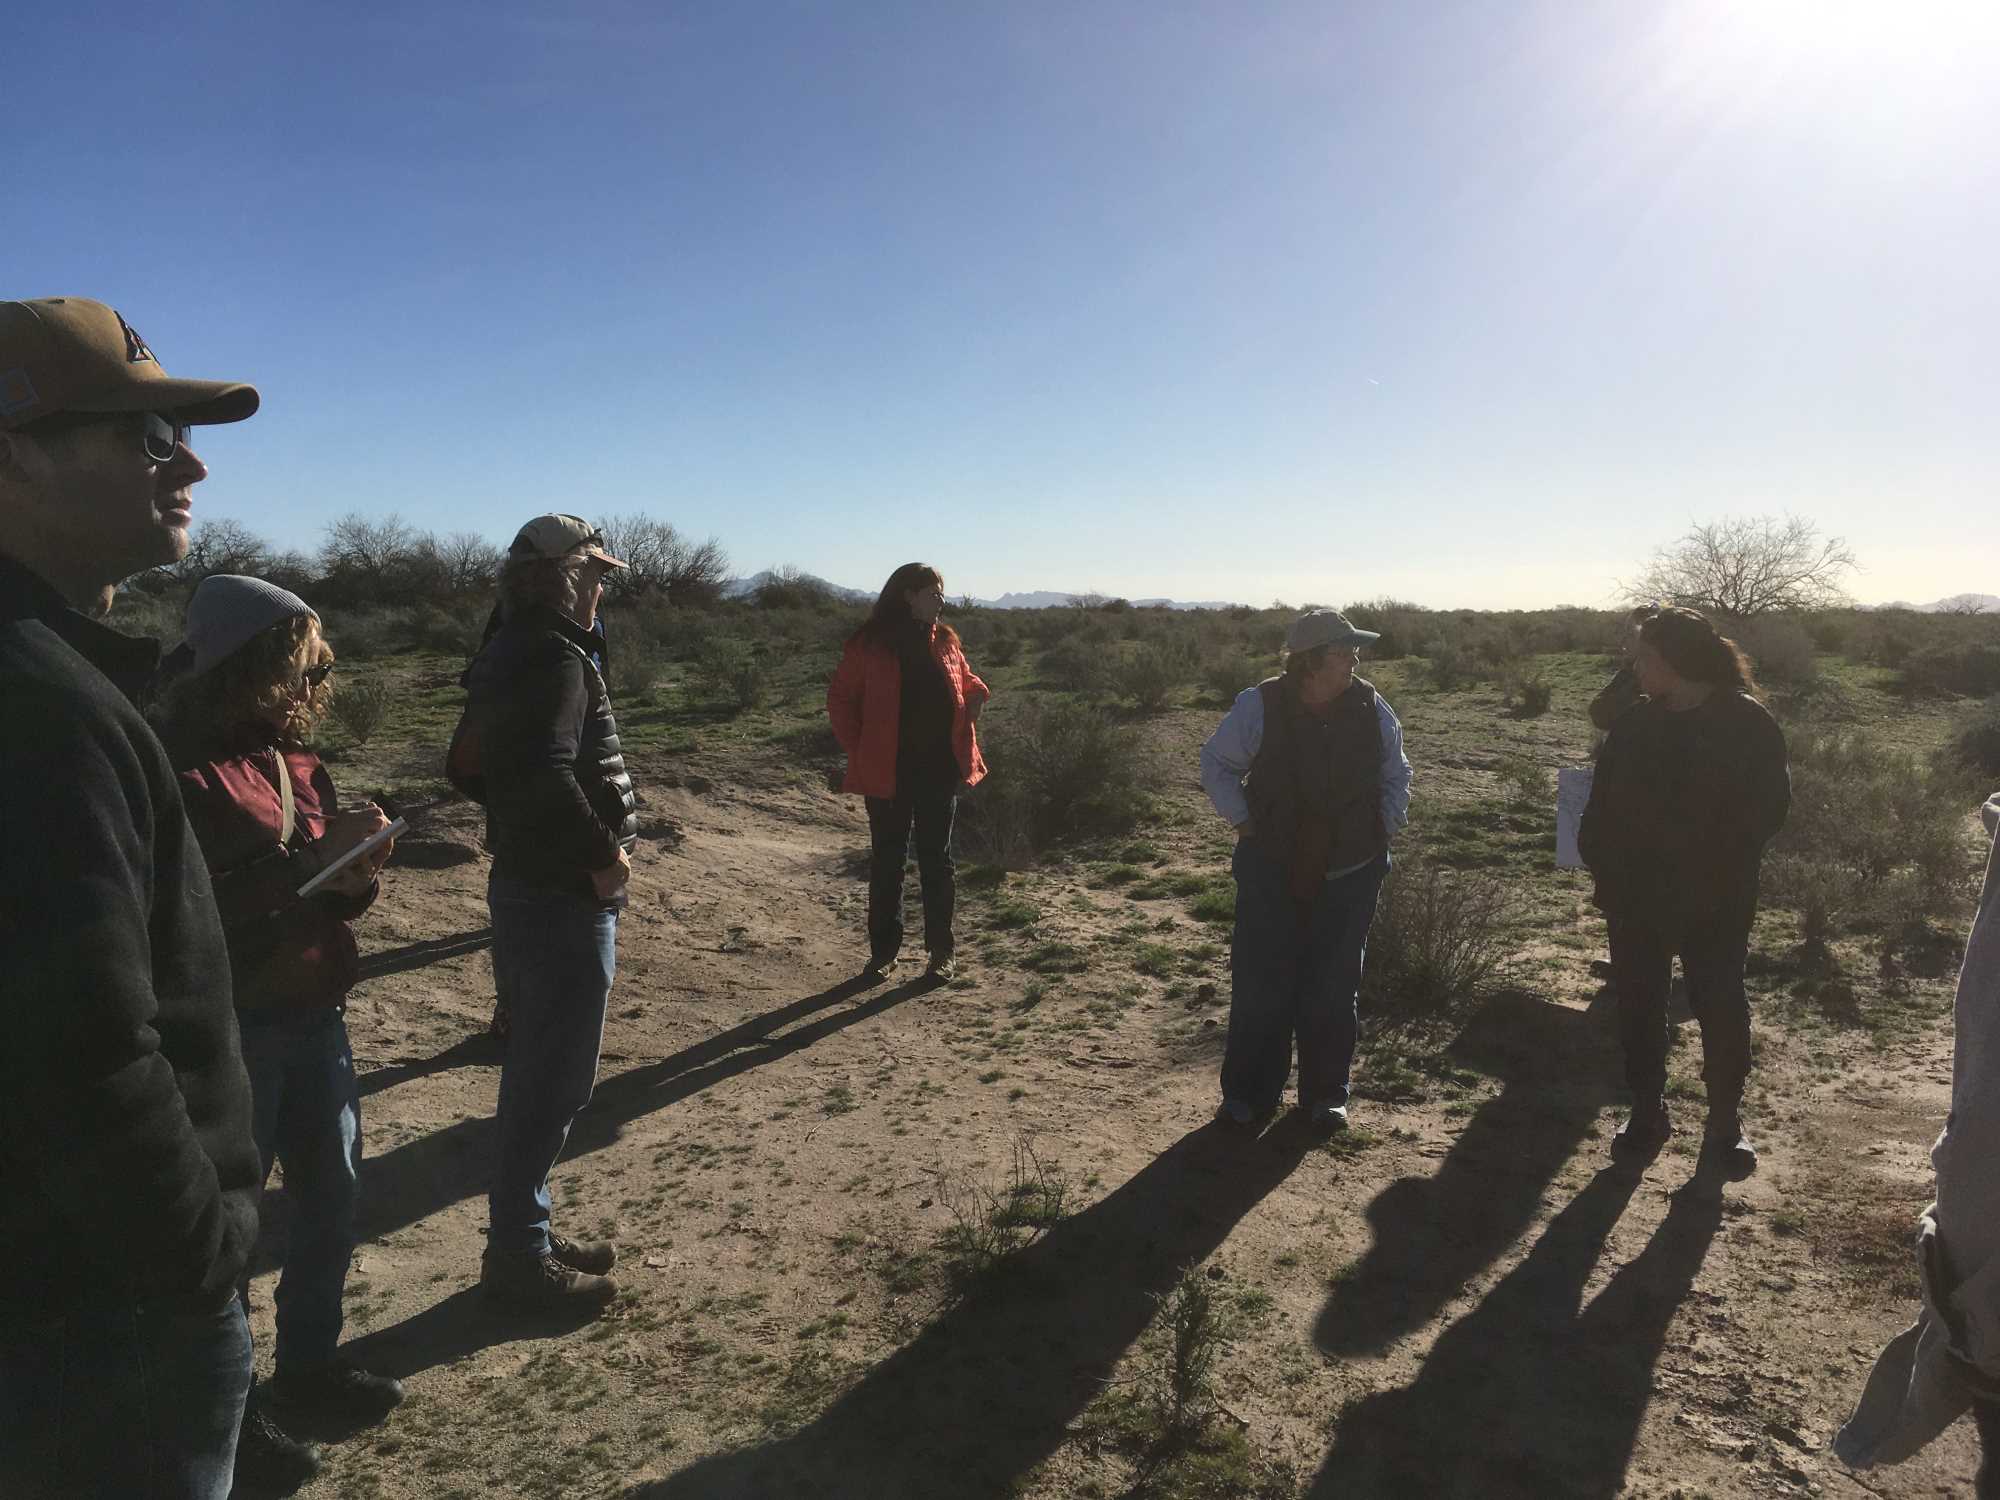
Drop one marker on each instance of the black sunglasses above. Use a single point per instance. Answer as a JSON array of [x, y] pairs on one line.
[[163, 438], [160, 437]]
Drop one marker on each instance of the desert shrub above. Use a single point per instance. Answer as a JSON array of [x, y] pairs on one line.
[[1149, 677], [1060, 768], [1527, 694], [363, 634], [1526, 781], [1450, 664], [732, 673], [139, 612], [360, 707], [637, 666], [1002, 650], [1832, 631], [1439, 940], [1226, 673], [1780, 648], [1401, 625], [1975, 741], [1074, 666], [1874, 839], [1968, 667]]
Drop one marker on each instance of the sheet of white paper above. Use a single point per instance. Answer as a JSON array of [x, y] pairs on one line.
[[1572, 792]]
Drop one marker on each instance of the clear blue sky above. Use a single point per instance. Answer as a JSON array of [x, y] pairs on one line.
[[1470, 303]]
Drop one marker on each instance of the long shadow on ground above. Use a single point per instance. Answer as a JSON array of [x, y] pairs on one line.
[[417, 1179], [1531, 1394], [1433, 1234], [462, 1324], [427, 951], [989, 1389]]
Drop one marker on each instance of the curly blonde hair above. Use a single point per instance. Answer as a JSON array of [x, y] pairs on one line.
[[260, 676]]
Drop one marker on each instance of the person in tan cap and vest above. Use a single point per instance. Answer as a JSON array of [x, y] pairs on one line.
[[1308, 767], [538, 745], [131, 1175]]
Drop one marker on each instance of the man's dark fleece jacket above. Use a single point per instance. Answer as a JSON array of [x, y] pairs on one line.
[[127, 1167], [559, 803]]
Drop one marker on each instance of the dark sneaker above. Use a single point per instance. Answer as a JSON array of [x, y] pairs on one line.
[[1329, 1118], [337, 1390], [878, 968], [1643, 1136], [1726, 1148], [541, 1282], [593, 1256], [1235, 1112], [943, 968], [269, 1459], [1600, 968]]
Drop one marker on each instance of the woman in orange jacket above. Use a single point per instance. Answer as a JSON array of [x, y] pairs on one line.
[[903, 703]]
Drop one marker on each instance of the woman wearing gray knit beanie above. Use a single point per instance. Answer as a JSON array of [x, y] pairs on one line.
[[254, 681]]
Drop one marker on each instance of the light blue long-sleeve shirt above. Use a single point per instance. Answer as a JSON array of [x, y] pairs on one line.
[[1226, 757]]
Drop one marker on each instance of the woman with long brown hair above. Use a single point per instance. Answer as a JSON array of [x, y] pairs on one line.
[[1690, 787], [904, 704], [254, 682]]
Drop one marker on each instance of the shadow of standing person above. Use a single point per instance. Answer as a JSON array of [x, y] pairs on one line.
[[989, 1389], [1434, 1234], [1527, 1395]]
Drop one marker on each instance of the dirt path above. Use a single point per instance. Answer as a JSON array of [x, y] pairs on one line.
[[1456, 1300]]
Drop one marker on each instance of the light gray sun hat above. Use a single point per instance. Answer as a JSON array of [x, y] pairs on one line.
[[1326, 627]]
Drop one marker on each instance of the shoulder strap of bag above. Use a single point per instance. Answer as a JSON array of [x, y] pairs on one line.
[[288, 817]]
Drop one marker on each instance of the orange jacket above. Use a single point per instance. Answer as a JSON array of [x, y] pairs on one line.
[[865, 699]]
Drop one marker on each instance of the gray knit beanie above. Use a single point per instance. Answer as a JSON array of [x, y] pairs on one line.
[[227, 610]]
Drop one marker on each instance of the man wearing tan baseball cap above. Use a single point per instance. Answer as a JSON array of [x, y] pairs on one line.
[[132, 1175]]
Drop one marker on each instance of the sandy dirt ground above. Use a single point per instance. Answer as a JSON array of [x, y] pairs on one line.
[[1461, 1299]]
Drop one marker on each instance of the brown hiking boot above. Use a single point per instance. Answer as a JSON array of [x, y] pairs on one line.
[[534, 1282], [592, 1256]]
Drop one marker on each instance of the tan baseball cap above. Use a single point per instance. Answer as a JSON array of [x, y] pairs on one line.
[[558, 536], [69, 354]]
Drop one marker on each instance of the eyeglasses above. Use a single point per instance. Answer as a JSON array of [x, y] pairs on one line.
[[161, 437], [314, 676]]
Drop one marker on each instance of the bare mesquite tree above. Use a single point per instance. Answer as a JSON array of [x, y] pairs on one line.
[[660, 559], [1748, 566]]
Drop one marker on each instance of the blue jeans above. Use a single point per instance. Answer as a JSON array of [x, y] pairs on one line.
[[306, 1113], [1295, 974], [554, 955], [114, 1400]]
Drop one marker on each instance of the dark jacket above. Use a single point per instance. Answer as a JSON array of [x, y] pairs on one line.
[[127, 1168], [558, 800], [285, 952], [1681, 808], [1614, 698], [1315, 785]]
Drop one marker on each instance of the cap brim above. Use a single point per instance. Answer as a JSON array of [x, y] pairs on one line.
[[199, 403], [606, 558]]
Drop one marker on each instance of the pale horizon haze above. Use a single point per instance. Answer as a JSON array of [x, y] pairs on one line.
[[1472, 304]]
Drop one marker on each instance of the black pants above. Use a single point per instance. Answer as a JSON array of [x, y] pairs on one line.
[[1712, 958], [929, 809], [1986, 1484]]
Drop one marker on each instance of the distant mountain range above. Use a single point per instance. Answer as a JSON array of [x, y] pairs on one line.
[[743, 588], [1958, 604]]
